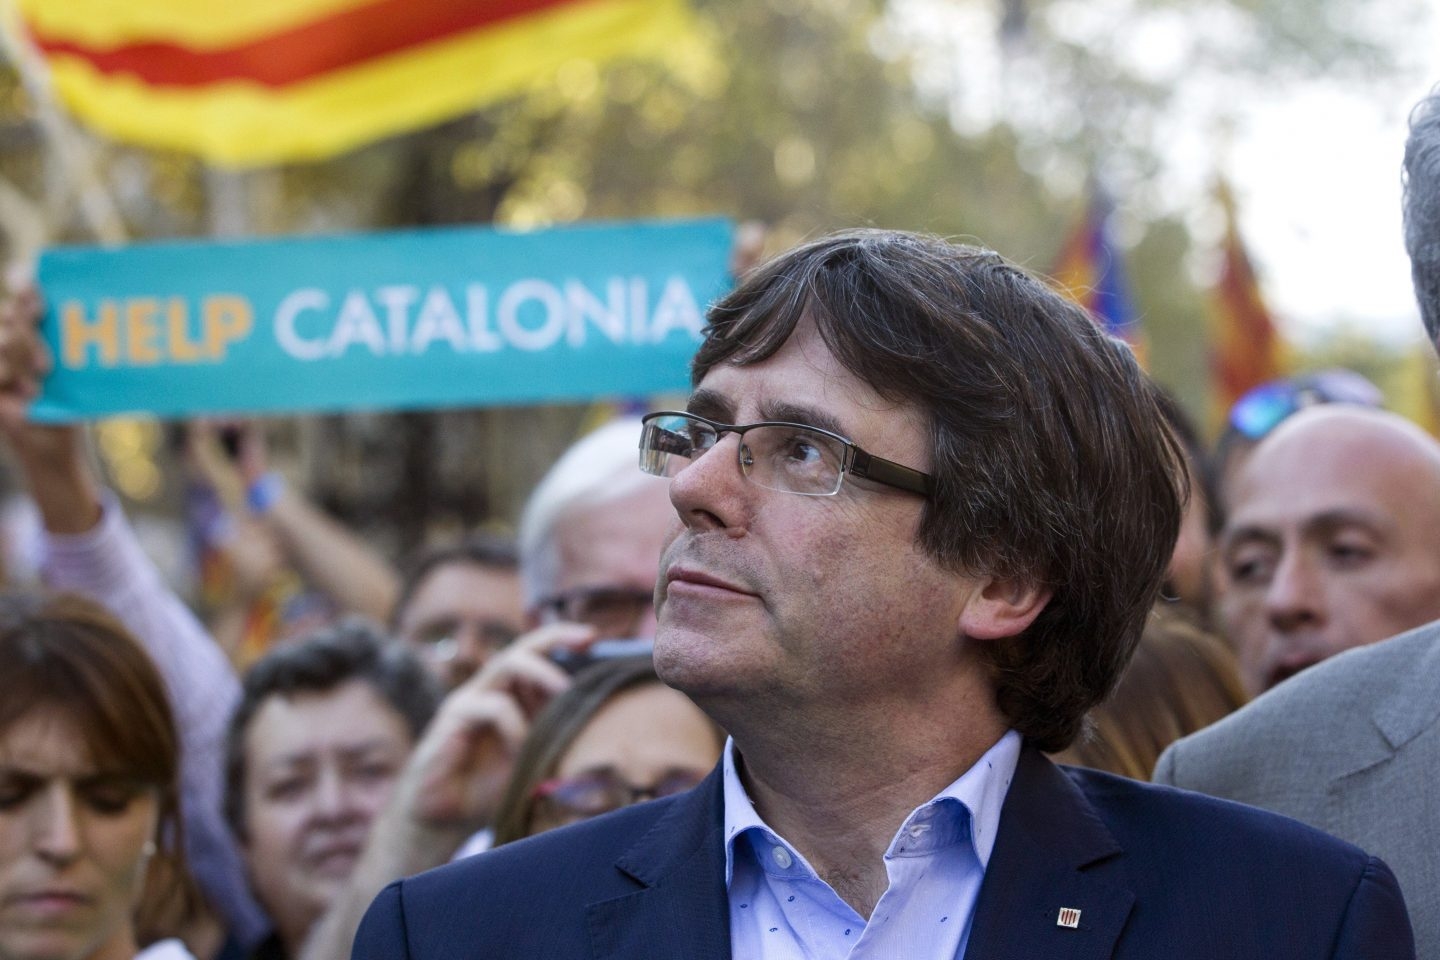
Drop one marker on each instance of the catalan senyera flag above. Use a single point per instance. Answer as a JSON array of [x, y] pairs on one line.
[[261, 82], [1245, 348], [1091, 271]]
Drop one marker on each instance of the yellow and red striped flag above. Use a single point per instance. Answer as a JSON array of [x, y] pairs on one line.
[[1245, 348], [271, 81]]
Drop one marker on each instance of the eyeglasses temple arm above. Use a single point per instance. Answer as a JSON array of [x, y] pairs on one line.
[[890, 473]]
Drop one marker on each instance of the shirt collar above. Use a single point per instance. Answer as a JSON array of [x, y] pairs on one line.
[[980, 791]]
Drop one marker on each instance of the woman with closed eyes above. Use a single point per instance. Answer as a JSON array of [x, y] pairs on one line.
[[88, 795]]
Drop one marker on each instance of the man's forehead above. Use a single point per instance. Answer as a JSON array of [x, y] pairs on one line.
[[1292, 495], [457, 580], [1342, 432], [717, 405], [802, 382], [1339, 460], [347, 718]]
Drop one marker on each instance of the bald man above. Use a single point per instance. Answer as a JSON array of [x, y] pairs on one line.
[[1351, 745], [1332, 540]]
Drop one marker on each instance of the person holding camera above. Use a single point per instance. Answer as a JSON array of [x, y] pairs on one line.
[[590, 539]]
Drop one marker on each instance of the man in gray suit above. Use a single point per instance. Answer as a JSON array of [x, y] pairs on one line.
[[1352, 745]]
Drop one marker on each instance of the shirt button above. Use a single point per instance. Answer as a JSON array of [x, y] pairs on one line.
[[782, 858]]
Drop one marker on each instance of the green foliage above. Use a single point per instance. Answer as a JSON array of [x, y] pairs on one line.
[[971, 118], [1172, 313]]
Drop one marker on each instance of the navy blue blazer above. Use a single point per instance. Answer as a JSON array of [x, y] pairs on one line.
[[1154, 873]]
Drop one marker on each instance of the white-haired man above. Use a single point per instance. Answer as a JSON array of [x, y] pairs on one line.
[[590, 539]]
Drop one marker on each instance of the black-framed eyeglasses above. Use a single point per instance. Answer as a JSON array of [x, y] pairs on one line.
[[612, 611], [591, 794], [789, 457]]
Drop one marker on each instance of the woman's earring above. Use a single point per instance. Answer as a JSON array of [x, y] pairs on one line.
[[149, 849]]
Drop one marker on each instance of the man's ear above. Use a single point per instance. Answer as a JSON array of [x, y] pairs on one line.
[[1002, 608]]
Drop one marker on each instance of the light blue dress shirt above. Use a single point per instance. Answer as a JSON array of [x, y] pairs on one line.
[[780, 909]]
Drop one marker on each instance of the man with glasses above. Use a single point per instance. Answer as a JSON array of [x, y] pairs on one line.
[[591, 535], [459, 605], [590, 539], [925, 506], [1352, 745]]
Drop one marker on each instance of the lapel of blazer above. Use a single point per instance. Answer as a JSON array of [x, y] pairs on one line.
[[1370, 781], [682, 911], [1052, 852], [1407, 710]]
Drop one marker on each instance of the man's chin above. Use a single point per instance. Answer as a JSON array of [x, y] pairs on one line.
[[1280, 674], [691, 661], [678, 654]]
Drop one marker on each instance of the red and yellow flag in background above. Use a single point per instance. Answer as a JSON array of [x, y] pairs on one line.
[[1090, 269], [272, 81], [1245, 348]]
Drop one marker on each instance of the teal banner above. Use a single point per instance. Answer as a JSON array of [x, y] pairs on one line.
[[404, 320]]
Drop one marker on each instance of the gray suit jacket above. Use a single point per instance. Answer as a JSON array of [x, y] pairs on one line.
[[1351, 746]]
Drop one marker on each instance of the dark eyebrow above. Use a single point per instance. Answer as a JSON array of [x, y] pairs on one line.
[[368, 748], [1333, 520], [309, 757], [796, 413], [1322, 524], [716, 406], [449, 620], [1248, 534], [711, 405], [102, 780], [31, 778], [288, 761]]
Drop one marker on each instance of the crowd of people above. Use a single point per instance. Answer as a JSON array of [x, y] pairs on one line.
[[896, 664]]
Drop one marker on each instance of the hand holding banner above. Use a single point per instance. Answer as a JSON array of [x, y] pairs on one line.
[[416, 319]]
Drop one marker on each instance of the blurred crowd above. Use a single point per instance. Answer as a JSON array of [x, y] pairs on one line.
[[225, 788]]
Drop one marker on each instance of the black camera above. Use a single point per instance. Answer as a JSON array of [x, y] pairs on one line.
[[576, 660]]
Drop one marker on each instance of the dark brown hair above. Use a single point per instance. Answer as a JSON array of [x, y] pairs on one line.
[[556, 728], [1052, 464], [1180, 680], [64, 654]]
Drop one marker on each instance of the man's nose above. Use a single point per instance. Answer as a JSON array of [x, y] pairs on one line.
[[334, 797], [57, 835], [471, 649], [1294, 598], [709, 492]]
